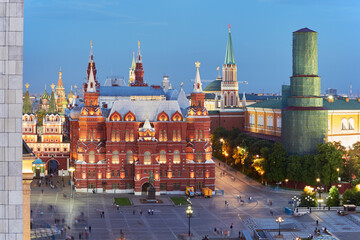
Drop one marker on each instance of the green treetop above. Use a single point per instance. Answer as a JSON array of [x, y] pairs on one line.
[[27, 108]]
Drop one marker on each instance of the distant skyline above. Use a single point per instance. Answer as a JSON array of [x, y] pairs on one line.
[[174, 35]]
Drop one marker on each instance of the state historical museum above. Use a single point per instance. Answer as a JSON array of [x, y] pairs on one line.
[[121, 134]]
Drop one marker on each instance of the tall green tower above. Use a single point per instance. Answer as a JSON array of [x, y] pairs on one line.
[[304, 120]]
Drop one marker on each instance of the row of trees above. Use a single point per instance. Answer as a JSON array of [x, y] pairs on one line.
[[262, 158]]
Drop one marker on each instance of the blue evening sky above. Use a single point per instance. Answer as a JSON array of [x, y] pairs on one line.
[[176, 34]]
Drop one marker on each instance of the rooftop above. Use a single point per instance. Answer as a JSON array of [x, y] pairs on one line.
[[130, 91]]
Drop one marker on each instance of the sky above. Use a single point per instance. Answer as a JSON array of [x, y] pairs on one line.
[[176, 34]]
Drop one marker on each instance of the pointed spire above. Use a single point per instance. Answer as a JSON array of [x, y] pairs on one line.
[[197, 84], [133, 64], [91, 55], [147, 124], [243, 100], [91, 87], [139, 57], [27, 108], [229, 55], [52, 104], [60, 83]]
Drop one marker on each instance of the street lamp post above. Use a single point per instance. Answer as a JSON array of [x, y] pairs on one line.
[[319, 189], [279, 220], [189, 213], [295, 200], [338, 170], [71, 169]]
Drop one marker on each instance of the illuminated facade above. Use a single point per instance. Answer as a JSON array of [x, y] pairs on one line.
[[123, 134]]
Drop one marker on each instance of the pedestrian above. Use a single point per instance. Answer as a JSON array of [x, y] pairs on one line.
[[89, 229], [271, 213], [42, 191], [86, 235], [103, 213], [152, 211], [214, 230], [239, 234], [219, 164], [225, 203], [317, 222], [231, 226], [134, 212], [141, 212], [80, 235]]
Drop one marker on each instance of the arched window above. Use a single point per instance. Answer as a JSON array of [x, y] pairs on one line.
[[232, 100], [174, 135], [201, 134], [113, 138], [162, 156], [269, 122], [160, 135], [89, 134], [94, 134], [178, 135], [165, 136], [117, 135], [199, 156], [344, 124], [260, 120], [196, 134], [129, 157], [127, 135], [252, 120], [176, 157], [91, 157], [351, 124], [115, 157], [147, 158], [278, 122], [131, 135]]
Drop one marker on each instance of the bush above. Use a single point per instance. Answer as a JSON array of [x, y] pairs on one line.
[[334, 197], [351, 196]]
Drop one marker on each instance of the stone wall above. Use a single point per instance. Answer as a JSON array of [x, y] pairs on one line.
[[11, 84]]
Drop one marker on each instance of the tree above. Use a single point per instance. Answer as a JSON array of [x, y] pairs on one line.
[[334, 197], [351, 196], [308, 198], [309, 172], [276, 163], [40, 117], [295, 169], [327, 160]]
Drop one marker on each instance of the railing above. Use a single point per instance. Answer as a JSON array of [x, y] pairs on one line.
[[304, 209]]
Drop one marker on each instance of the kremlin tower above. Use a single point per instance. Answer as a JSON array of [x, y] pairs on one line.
[[132, 71], [139, 71], [229, 84]]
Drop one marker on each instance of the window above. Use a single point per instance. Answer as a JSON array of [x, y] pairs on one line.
[[126, 173], [129, 157], [147, 158], [113, 138], [162, 156], [260, 120], [179, 173], [112, 173], [91, 157], [89, 174], [91, 185], [196, 134], [278, 122], [176, 157], [89, 134], [201, 134], [145, 171], [351, 124], [115, 157], [118, 173], [165, 136], [115, 186], [199, 185], [94, 134], [117, 135], [127, 135], [160, 173], [94, 173], [178, 135], [199, 156], [131, 135], [174, 135], [252, 120], [269, 122], [176, 186], [129, 186], [163, 186], [344, 124], [160, 136]]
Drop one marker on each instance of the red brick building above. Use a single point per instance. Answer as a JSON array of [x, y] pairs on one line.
[[117, 148]]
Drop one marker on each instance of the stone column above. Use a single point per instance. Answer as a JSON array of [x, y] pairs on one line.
[[26, 208], [11, 91]]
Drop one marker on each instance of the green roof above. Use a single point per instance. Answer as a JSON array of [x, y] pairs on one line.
[[273, 104], [340, 104], [229, 55], [214, 86]]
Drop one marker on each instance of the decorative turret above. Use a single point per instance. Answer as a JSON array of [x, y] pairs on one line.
[[132, 71], [91, 85], [139, 71], [243, 101], [27, 108], [52, 104], [165, 83], [61, 101], [197, 96], [229, 84], [147, 132]]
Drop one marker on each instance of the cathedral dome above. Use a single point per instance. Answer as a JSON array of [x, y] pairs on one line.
[[75, 113], [45, 95]]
